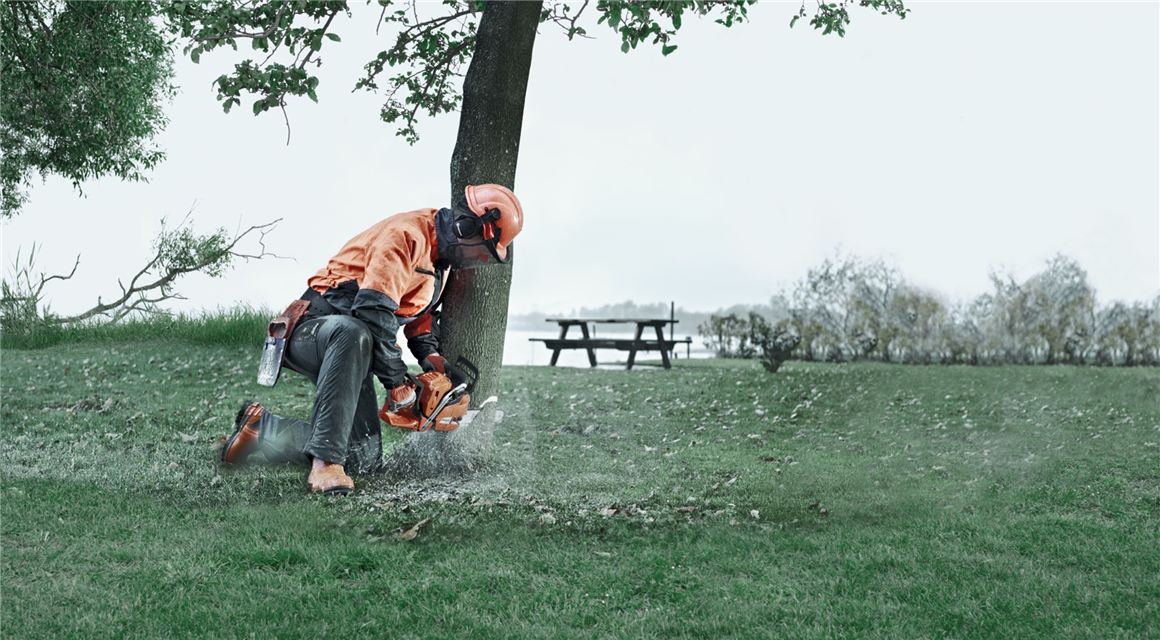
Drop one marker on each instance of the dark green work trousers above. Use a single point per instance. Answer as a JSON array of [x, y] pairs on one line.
[[335, 353]]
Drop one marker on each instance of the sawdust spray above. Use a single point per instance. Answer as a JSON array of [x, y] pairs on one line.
[[463, 452]]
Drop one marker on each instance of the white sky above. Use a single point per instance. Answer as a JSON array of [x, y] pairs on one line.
[[970, 136]]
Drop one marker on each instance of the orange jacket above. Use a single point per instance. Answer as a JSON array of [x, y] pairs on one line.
[[386, 276]]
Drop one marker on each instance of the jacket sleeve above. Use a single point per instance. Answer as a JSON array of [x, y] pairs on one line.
[[422, 335], [385, 280], [377, 311]]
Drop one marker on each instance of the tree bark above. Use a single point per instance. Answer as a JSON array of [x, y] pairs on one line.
[[476, 303]]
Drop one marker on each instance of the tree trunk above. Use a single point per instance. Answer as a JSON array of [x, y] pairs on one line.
[[476, 303]]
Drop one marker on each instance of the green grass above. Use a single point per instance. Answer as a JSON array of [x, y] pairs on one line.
[[237, 326], [713, 500]]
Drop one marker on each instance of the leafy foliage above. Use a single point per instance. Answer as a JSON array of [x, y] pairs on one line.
[[727, 336], [81, 93], [776, 342], [732, 336], [429, 55], [637, 22], [848, 309], [182, 251], [834, 17], [271, 28]]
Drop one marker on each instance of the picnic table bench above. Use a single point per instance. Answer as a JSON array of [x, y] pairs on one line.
[[589, 343]]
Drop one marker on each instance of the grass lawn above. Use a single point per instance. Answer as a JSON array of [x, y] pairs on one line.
[[713, 500]]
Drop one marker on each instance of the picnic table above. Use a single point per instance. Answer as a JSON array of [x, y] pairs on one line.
[[589, 343]]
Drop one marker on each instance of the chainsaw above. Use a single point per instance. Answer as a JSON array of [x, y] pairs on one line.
[[441, 400]]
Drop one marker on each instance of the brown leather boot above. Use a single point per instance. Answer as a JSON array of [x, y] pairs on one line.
[[244, 441], [329, 478]]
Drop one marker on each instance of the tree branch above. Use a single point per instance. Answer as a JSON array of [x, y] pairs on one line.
[[431, 75], [151, 285], [559, 15], [286, 118], [277, 24], [310, 51]]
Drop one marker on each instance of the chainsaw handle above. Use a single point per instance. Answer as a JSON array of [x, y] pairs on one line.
[[468, 372]]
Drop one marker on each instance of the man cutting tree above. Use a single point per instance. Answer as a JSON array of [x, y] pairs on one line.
[[342, 335]]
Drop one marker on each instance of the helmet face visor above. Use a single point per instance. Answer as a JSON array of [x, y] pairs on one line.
[[467, 241], [469, 256]]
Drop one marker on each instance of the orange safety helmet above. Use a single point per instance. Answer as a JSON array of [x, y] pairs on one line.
[[500, 212]]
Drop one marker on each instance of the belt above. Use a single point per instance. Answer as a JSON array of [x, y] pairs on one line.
[[318, 305]]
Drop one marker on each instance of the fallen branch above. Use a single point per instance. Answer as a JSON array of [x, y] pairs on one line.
[[176, 253]]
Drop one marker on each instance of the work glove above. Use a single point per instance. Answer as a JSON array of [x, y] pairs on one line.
[[401, 397], [434, 362]]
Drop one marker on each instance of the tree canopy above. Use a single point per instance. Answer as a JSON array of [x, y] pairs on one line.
[[85, 83], [82, 91], [432, 43]]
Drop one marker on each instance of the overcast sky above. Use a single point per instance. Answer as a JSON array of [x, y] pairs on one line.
[[970, 136]]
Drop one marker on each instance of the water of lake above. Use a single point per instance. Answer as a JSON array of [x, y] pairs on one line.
[[519, 350]]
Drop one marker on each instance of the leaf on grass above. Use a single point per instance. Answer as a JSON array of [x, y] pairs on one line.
[[608, 512], [408, 533], [187, 437], [687, 509]]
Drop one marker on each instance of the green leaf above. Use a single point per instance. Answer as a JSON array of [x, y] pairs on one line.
[[334, 36], [259, 106], [624, 46], [195, 55], [667, 49], [312, 94]]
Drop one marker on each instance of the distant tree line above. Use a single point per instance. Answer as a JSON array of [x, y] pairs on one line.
[[848, 309]]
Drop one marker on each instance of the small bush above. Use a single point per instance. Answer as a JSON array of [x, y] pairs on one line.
[[776, 342], [728, 336]]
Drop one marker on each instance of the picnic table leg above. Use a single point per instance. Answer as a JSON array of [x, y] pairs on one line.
[[556, 351], [591, 353], [664, 351], [632, 351]]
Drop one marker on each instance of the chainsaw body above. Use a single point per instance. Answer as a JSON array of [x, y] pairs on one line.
[[440, 403]]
